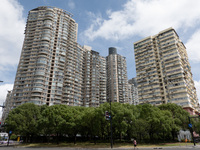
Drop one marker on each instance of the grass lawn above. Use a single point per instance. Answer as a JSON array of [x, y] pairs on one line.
[[101, 145]]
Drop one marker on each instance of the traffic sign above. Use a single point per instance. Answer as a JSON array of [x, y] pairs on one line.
[[190, 125]]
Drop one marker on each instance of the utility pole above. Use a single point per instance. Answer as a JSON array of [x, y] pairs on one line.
[[111, 138], [192, 130], [190, 125]]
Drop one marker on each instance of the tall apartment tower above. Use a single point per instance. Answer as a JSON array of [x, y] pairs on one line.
[[7, 106], [133, 91], [163, 71], [51, 62], [94, 85], [117, 83]]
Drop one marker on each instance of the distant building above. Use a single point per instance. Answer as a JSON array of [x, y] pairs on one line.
[[94, 85], [163, 71], [117, 82], [7, 106], [130, 101], [133, 91]]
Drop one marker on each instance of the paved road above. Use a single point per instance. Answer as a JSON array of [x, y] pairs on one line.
[[65, 148]]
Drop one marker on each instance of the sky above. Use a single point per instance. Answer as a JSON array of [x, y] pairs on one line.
[[103, 24]]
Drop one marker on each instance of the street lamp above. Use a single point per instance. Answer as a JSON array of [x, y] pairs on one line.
[[1, 81], [111, 140]]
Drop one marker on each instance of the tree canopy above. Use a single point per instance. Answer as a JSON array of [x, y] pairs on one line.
[[144, 122]]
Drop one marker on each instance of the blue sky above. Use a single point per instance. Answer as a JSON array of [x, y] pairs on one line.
[[103, 24]]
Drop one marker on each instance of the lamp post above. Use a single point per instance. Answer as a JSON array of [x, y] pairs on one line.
[[190, 125], [111, 140]]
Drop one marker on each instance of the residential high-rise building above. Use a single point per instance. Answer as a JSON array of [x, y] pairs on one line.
[[130, 97], [49, 70], [133, 91], [102, 80], [52, 65], [55, 69], [6, 106], [94, 85], [117, 83], [163, 71]]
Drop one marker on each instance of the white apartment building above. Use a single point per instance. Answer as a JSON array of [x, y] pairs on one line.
[[51, 61], [53, 66], [55, 69], [117, 83], [94, 85], [7, 107], [133, 91], [163, 71]]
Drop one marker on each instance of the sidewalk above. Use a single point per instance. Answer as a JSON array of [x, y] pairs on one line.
[[154, 147]]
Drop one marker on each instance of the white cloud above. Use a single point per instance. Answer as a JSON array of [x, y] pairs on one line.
[[71, 4], [12, 26], [4, 88], [197, 85], [193, 46], [145, 17]]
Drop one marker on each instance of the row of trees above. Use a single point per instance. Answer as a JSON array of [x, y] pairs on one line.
[[144, 122]]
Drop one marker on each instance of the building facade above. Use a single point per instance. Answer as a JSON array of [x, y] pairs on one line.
[[7, 106], [133, 91], [51, 60], [117, 83], [53, 67], [94, 85], [163, 71]]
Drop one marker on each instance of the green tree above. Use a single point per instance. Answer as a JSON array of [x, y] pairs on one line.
[[74, 123], [179, 117], [122, 119], [155, 120], [138, 127], [23, 120], [91, 123], [104, 131], [52, 120], [131, 120], [44, 122], [166, 123]]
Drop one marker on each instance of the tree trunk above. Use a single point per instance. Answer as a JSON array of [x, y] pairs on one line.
[[74, 139], [151, 136], [164, 136], [48, 138], [57, 138], [31, 138], [173, 137], [95, 141], [27, 138]]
